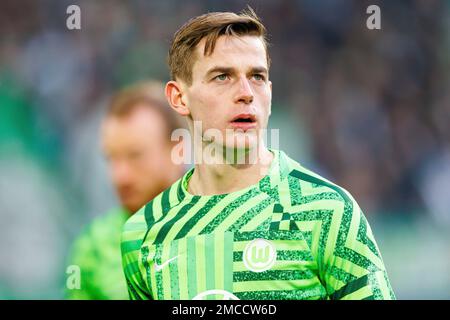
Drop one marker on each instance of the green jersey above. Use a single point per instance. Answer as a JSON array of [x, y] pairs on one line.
[[97, 253], [293, 235]]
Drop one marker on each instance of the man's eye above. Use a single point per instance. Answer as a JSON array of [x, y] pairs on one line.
[[258, 77], [222, 77]]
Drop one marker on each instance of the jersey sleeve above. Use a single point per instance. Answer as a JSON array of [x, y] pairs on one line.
[[132, 236], [351, 266]]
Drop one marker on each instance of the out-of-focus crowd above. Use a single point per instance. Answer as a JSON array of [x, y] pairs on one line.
[[368, 109]]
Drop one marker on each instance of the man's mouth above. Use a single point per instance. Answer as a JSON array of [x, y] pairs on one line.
[[244, 118], [244, 122]]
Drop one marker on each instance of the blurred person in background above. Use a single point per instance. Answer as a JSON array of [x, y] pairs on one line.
[[136, 142]]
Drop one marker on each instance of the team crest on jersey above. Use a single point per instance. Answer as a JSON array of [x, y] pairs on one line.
[[259, 255]]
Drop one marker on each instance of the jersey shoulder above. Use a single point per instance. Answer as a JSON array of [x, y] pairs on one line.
[[306, 186]]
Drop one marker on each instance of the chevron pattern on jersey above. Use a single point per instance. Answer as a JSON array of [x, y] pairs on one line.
[[294, 235]]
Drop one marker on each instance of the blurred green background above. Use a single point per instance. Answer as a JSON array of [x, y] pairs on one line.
[[368, 109]]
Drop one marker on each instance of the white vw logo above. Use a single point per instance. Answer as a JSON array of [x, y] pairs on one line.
[[259, 255]]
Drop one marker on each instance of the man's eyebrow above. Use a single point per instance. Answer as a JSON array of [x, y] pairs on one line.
[[219, 69], [259, 70]]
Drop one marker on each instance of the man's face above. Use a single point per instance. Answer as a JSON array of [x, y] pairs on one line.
[[230, 89], [138, 154]]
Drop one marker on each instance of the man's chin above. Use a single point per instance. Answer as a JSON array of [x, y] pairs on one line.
[[241, 154], [241, 142], [130, 206], [129, 209]]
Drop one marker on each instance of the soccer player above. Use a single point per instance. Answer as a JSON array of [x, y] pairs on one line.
[[136, 138], [264, 229]]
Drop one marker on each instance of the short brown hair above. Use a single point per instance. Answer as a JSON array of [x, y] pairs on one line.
[[149, 94], [210, 26]]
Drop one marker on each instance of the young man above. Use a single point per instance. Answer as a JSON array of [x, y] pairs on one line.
[[136, 141], [264, 229]]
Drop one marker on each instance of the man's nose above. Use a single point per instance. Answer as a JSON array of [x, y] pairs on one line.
[[245, 92]]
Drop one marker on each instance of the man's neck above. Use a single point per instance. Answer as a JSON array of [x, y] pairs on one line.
[[212, 179]]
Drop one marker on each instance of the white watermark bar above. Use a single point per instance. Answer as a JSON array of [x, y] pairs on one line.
[[212, 146]]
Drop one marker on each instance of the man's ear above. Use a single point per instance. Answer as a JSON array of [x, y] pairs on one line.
[[176, 98]]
